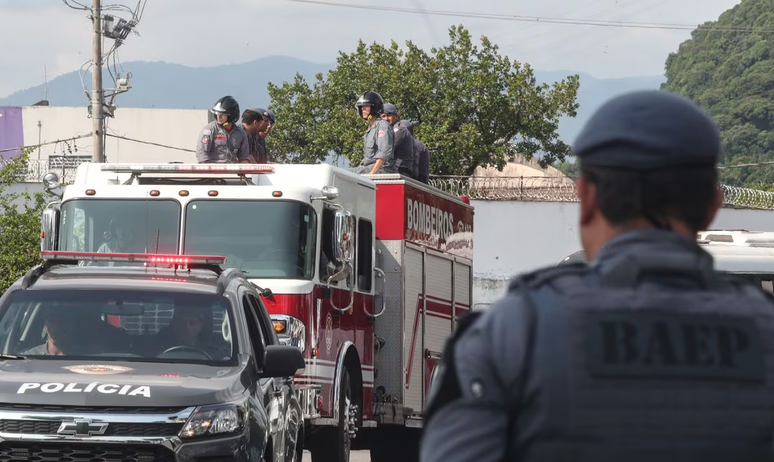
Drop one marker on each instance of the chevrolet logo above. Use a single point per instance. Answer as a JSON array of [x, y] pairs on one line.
[[82, 427]]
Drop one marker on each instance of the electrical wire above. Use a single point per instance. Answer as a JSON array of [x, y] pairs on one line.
[[539, 19], [82, 6], [22, 148], [151, 143]]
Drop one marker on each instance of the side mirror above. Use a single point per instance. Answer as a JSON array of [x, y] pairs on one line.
[[49, 229], [343, 233], [283, 361]]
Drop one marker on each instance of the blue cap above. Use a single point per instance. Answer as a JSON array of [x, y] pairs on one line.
[[648, 130], [264, 113], [390, 108]]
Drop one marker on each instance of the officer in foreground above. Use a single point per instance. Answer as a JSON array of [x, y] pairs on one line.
[[643, 354]]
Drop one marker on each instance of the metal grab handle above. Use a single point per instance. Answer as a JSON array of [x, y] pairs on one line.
[[351, 294], [384, 298]]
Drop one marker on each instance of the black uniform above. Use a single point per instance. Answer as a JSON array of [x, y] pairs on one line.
[[645, 353]]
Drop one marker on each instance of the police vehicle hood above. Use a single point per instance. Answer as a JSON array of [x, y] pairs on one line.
[[57, 382]]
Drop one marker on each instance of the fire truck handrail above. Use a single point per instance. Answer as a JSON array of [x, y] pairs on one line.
[[351, 295], [384, 299]]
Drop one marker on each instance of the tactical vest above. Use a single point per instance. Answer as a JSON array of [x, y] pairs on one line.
[[655, 360]]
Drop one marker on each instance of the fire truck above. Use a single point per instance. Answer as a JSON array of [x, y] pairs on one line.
[[366, 274]]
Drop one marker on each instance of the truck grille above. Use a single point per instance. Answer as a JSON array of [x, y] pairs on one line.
[[55, 452], [94, 409], [50, 427]]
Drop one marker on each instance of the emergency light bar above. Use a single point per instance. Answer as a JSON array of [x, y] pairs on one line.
[[189, 168], [133, 257]]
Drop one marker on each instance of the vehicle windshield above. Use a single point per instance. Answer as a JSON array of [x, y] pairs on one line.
[[263, 238], [118, 324], [120, 226]]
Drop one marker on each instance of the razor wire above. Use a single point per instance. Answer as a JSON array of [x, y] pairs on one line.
[[562, 189]]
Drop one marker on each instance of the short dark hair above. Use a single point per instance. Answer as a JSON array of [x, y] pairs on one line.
[[682, 193], [250, 116]]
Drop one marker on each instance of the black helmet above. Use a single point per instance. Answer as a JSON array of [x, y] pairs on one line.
[[229, 106], [373, 99]]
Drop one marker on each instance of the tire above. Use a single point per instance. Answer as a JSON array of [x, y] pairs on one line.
[[334, 444]]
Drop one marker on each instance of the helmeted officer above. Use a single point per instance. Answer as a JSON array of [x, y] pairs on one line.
[[645, 353], [378, 141], [223, 140]]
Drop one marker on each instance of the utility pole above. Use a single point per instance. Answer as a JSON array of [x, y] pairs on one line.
[[97, 94]]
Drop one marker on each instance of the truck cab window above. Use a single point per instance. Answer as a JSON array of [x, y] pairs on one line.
[[364, 255], [327, 244], [96, 225], [262, 238]]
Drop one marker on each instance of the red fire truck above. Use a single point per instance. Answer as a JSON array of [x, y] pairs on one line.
[[365, 274]]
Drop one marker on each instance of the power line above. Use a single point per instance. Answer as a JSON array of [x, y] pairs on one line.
[[754, 164], [150, 143], [538, 19], [22, 148]]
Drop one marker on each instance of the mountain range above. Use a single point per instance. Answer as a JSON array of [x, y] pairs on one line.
[[166, 85]]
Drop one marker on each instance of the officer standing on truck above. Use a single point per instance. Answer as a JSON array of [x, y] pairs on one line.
[[378, 140], [645, 353], [403, 142], [223, 140]]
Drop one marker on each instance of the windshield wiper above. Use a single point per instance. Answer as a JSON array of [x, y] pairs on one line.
[[12, 357]]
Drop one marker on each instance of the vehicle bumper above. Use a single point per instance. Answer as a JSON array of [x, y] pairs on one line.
[[309, 399], [236, 448]]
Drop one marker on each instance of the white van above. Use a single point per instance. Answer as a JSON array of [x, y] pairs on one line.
[[745, 253]]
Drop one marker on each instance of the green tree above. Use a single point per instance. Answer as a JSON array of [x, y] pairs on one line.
[[727, 67], [19, 223], [475, 106]]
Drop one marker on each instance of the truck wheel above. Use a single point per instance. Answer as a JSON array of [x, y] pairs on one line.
[[393, 443], [334, 444]]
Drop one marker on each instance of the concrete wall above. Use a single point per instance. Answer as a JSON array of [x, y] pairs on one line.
[[172, 127], [514, 237]]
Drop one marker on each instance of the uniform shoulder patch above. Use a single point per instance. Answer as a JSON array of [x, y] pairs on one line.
[[534, 279], [381, 133]]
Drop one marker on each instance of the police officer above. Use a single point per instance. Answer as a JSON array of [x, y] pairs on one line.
[[403, 142], [253, 121], [223, 140], [421, 165], [270, 120], [645, 353], [378, 140]]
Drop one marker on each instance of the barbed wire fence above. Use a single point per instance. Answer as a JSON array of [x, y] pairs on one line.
[[562, 189]]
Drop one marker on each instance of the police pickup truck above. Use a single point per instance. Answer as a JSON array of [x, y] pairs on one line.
[[140, 357]]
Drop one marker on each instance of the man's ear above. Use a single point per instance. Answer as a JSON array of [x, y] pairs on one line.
[[587, 193]]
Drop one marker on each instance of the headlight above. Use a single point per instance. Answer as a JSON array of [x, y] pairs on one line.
[[290, 330], [217, 419]]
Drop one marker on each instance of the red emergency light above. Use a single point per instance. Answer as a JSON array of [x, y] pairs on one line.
[[189, 168], [134, 257]]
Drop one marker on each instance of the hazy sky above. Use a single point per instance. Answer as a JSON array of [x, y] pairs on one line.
[[38, 33]]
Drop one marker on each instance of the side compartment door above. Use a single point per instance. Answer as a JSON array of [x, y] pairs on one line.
[[413, 345], [438, 312]]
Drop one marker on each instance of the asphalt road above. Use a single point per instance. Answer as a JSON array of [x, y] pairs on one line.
[[354, 456]]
